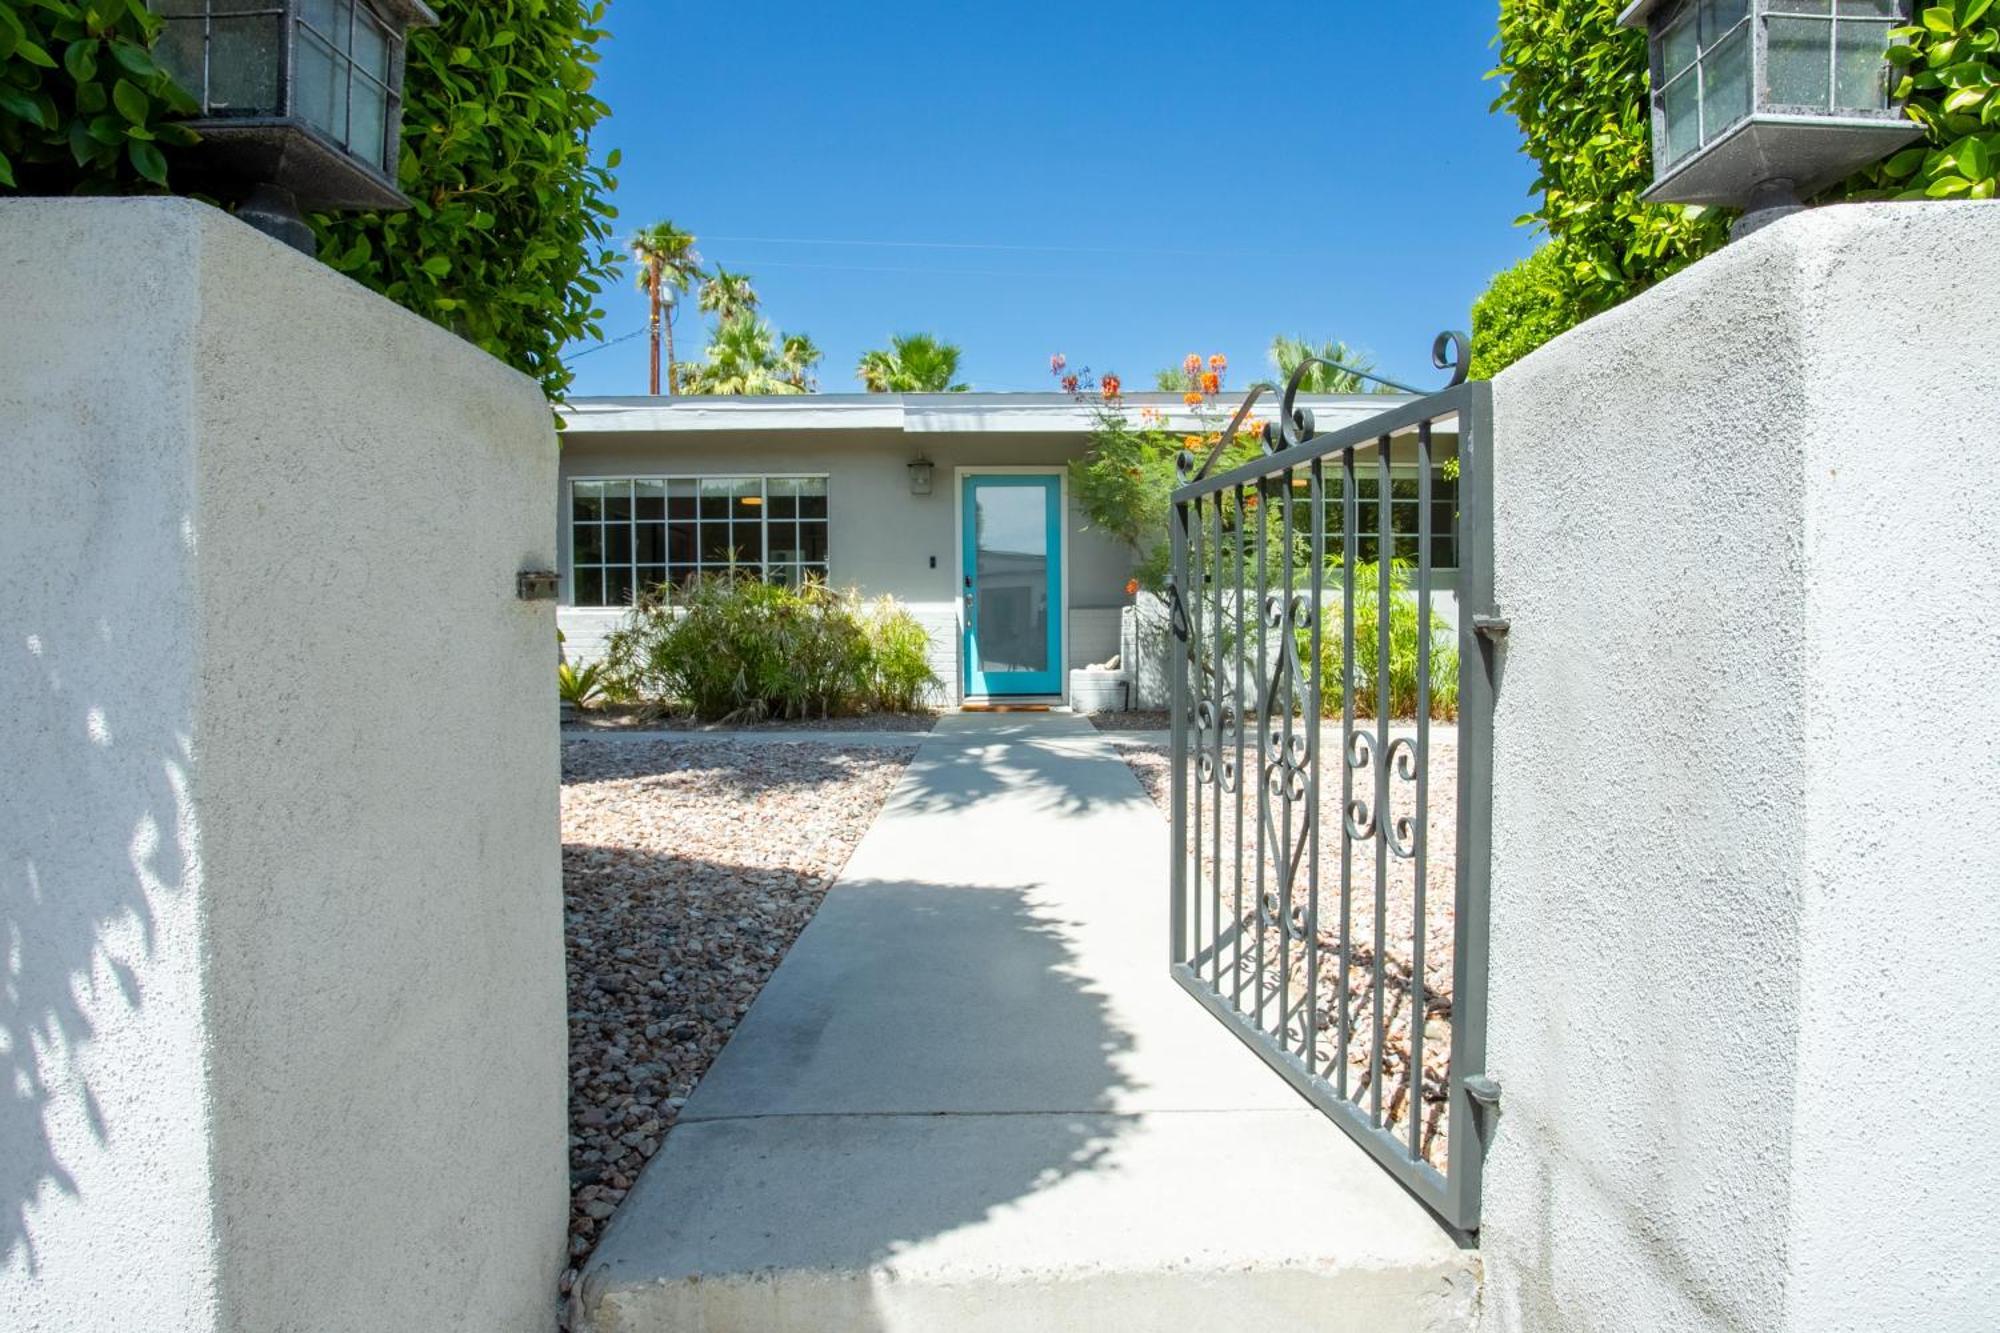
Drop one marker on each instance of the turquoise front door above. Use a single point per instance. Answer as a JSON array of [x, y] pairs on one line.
[[1012, 567]]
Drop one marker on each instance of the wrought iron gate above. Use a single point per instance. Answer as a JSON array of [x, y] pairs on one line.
[[1350, 952]]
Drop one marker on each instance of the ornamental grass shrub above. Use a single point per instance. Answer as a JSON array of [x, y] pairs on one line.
[[733, 648], [1405, 635]]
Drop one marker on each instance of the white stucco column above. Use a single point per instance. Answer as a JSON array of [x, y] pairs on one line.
[[1746, 834], [281, 979]]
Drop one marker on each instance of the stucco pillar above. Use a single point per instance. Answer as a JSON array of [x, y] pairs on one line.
[[282, 1030], [1745, 801]]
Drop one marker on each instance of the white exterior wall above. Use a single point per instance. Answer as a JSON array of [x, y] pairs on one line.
[[1744, 870], [881, 539], [284, 1022]]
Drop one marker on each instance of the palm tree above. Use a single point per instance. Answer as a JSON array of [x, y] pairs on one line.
[[667, 264], [743, 358], [727, 295], [912, 363], [797, 355], [1288, 354]]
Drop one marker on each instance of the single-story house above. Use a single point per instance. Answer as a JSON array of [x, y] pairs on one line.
[[955, 504]]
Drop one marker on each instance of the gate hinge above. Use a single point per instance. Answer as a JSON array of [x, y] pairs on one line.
[[1483, 1089], [536, 585], [1491, 627]]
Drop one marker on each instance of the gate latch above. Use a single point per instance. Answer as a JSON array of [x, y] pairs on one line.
[[1491, 628]]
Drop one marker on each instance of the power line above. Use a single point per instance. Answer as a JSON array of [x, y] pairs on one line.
[[611, 342], [994, 245]]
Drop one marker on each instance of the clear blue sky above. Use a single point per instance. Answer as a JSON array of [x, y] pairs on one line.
[[1121, 182]]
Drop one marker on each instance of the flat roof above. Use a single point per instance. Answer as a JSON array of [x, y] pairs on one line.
[[932, 413]]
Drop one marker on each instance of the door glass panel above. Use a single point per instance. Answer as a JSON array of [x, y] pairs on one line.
[[1012, 578]]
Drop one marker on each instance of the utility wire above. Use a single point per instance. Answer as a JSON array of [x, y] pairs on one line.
[[994, 245]]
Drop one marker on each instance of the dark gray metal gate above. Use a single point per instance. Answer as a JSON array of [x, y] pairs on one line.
[[1319, 942]]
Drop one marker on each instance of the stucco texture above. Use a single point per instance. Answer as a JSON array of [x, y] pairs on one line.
[[284, 1020], [1743, 865]]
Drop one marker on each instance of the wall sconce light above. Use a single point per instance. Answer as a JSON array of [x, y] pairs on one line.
[[921, 469]]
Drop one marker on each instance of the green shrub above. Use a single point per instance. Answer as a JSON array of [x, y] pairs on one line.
[[83, 108], [733, 648], [1577, 83], [1525, 307]]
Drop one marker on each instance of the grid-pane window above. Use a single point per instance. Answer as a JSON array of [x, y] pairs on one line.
[[630, 534], [1405, 518]]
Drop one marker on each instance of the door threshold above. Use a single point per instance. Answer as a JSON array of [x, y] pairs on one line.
[[1030, 703]]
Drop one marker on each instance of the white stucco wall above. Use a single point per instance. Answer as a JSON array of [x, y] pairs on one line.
[[284, 1022], [1744, 871]]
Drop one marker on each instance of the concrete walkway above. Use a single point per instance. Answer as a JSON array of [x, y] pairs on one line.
[[971, 1099]]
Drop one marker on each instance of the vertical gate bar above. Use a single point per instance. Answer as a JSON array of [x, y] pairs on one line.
[[1314, 688], [1242, 721], [1177, 683], [1282, 742], [1199, 669], [1385, 552], [1350, 518], [1215, 783], [1421, 862], [1263, 590], [1476, 695]]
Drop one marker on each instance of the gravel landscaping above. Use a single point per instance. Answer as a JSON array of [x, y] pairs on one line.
[[633, 719], [689, 867], [1133, 719], [1152, 764]]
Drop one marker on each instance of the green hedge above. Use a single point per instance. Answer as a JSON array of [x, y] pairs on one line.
[[508, 243], [1577, 83], [509, 240], [82, 104]]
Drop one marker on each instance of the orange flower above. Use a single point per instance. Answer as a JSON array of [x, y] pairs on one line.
[[1069, 383], [1192, 365], [1131, 587], [1110, 385], [1218, 362], [1211, 383], [1249, 502], [1191, 441], [1191, 398]]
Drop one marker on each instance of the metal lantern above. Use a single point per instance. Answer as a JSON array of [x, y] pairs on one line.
[[301, 101], [920, 475], [1759, 103]]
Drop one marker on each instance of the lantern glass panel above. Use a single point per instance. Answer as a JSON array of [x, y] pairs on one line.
[[1861, 51], [1678, 46], [243, 66], [1683, 115], [1800, 67], [1725, 94], [319, 88]]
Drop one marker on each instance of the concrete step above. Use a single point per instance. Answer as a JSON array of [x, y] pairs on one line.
[[1265, 1220]]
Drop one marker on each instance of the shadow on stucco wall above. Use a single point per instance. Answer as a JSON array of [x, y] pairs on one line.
[[96, 838]]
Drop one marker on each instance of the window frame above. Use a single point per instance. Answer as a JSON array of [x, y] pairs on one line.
[[797, 569], [1444, 492]]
